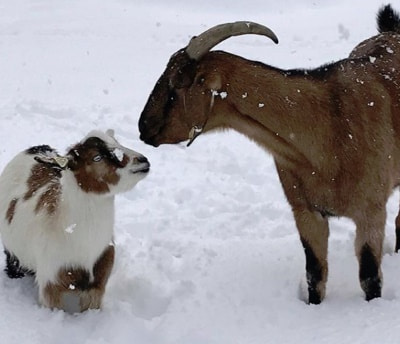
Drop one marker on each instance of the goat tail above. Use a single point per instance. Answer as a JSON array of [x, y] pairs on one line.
[[388, 20]]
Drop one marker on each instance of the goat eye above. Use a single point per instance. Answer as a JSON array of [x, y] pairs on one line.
[[97, 158]]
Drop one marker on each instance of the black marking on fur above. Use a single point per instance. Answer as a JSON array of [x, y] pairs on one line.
[[43, 149], [369, 274], [388, 20], [13, 268], [326, 213], [314, 273], [397, 239]]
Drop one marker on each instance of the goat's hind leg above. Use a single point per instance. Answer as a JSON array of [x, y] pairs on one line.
[[13, 268], [314, 232], [368, 245]]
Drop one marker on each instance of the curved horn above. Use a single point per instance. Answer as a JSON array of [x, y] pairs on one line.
[[200, 45]]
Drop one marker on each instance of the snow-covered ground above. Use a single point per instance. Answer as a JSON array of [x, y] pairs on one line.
[[207, 250]]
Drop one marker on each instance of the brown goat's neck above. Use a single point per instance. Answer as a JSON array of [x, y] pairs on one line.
[[274, 108]]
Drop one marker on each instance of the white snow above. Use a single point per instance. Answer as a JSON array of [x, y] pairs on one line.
[[206, 246], [70, 229], [389, 50], [223, 95], [119, 154]]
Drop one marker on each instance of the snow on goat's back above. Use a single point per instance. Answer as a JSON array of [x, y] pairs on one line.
[[57, 216]]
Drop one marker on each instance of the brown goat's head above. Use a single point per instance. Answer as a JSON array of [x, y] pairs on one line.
[[179, 105]]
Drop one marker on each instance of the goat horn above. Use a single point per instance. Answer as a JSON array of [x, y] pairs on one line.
[[200, 45]]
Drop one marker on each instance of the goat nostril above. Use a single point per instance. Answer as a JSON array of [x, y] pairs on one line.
[[141, 159]]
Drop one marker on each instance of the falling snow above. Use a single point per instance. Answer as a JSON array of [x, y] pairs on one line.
[[70, 229], [207, 251]]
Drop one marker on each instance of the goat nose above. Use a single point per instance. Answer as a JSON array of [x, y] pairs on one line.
[[141, 159]]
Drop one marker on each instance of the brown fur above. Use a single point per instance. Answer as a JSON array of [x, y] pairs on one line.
[[76, 282], [94, 176], [11, 210], [334, 132], [49, 199], [44, 176]]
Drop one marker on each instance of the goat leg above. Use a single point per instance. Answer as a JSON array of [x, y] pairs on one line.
[[314, 232], [368, 245]]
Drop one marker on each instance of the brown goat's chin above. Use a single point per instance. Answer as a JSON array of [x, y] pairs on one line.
[[149, 140], [156, 141]]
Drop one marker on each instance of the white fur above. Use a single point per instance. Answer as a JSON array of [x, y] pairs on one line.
[[45, 243]]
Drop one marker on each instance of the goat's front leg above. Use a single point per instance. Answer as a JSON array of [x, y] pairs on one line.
[[73, 291], [370, 234], [314, 232], [92, 297]]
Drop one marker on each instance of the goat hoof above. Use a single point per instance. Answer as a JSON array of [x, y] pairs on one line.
[[314, 298], [372, 288], [308, 295]]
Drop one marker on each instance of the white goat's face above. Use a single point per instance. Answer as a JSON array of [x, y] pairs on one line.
[[103, 166]]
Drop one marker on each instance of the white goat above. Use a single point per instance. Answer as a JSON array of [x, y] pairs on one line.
[[57, 216]]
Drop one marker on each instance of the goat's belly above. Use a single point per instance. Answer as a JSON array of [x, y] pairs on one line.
[[45, 249], [78, 249]]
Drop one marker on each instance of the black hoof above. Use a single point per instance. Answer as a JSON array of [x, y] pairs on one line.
[[372, 288]]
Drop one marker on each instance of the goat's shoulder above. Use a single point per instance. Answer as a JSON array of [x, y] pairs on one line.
[[30, 176]]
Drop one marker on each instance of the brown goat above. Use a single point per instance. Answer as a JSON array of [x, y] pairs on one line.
[[334, 132]]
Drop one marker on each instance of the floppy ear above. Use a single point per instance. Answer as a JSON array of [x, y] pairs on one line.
[[73, 158], [57, 161]]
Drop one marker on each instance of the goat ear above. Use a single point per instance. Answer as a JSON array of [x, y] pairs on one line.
[[110, 132], [214, 82], [73, 157]]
